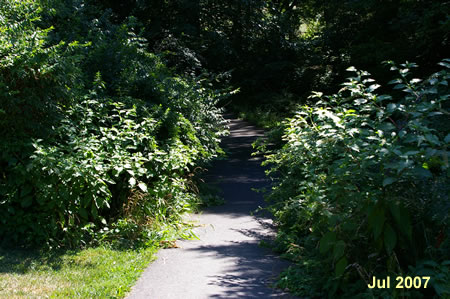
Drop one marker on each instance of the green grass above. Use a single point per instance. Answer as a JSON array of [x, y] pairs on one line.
[[90, 273]]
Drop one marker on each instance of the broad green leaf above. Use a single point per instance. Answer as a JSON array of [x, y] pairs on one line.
[[83, 213], [432, 139], [376, 221], [94, 211], [339, 249], [447, 138], [27, 189], [422, 172], [26, 201], [340, 266], [327, 242], [388, 181], [391, 107], [399, 86], [383, 98], [402, 219], [390, 238], [395, 81]]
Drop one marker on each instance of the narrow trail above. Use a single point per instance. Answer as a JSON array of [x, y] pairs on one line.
[[227, 261]]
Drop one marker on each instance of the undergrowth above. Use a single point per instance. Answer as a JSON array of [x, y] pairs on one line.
[[361, 188]]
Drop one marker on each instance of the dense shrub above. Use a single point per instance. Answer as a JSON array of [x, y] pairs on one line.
[[362, 187], [85, 158]]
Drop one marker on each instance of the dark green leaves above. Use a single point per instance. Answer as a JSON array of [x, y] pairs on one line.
[[341, 265], [402, 219], [376, 221], [390, 238], [327, 242]]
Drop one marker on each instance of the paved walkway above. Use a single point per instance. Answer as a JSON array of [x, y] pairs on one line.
[[227, 261]]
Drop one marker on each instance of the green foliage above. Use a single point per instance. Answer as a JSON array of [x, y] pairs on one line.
[[364, 178], [98, 136]]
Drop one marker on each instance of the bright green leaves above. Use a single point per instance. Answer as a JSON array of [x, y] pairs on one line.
[[91, 121], [361, 174]]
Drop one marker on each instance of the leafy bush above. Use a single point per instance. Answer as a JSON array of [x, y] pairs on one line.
[[85, 160], [363, 183]]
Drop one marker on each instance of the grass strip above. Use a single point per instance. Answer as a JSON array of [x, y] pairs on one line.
[[89, 273]]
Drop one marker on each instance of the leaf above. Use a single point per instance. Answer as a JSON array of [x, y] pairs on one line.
[[376, 221], [444, 64], [327, 242], [340, 266], [83, 213], [143, 186], [432, 139], [26, 201], [390, 238], [422, 172], [399, 86], [373, 87], [402, 219], [447, 138], [360, 101], [132, 182], [383, 98], [388, 181], [338, 250], [94, 211], [395, 81], [391, 107]]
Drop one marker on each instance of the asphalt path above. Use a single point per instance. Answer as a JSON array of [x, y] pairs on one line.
[[227, 260]]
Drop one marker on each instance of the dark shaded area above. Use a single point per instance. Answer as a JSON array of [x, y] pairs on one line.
[[241, 172], [251, 273], [21, 261], [280, 50]]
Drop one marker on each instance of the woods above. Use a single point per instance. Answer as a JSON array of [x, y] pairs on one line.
[[108, 109]]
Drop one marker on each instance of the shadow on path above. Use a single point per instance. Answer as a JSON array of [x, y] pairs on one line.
[[227, 261]]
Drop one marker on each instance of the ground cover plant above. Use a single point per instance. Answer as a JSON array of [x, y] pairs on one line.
[[362, 185]]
